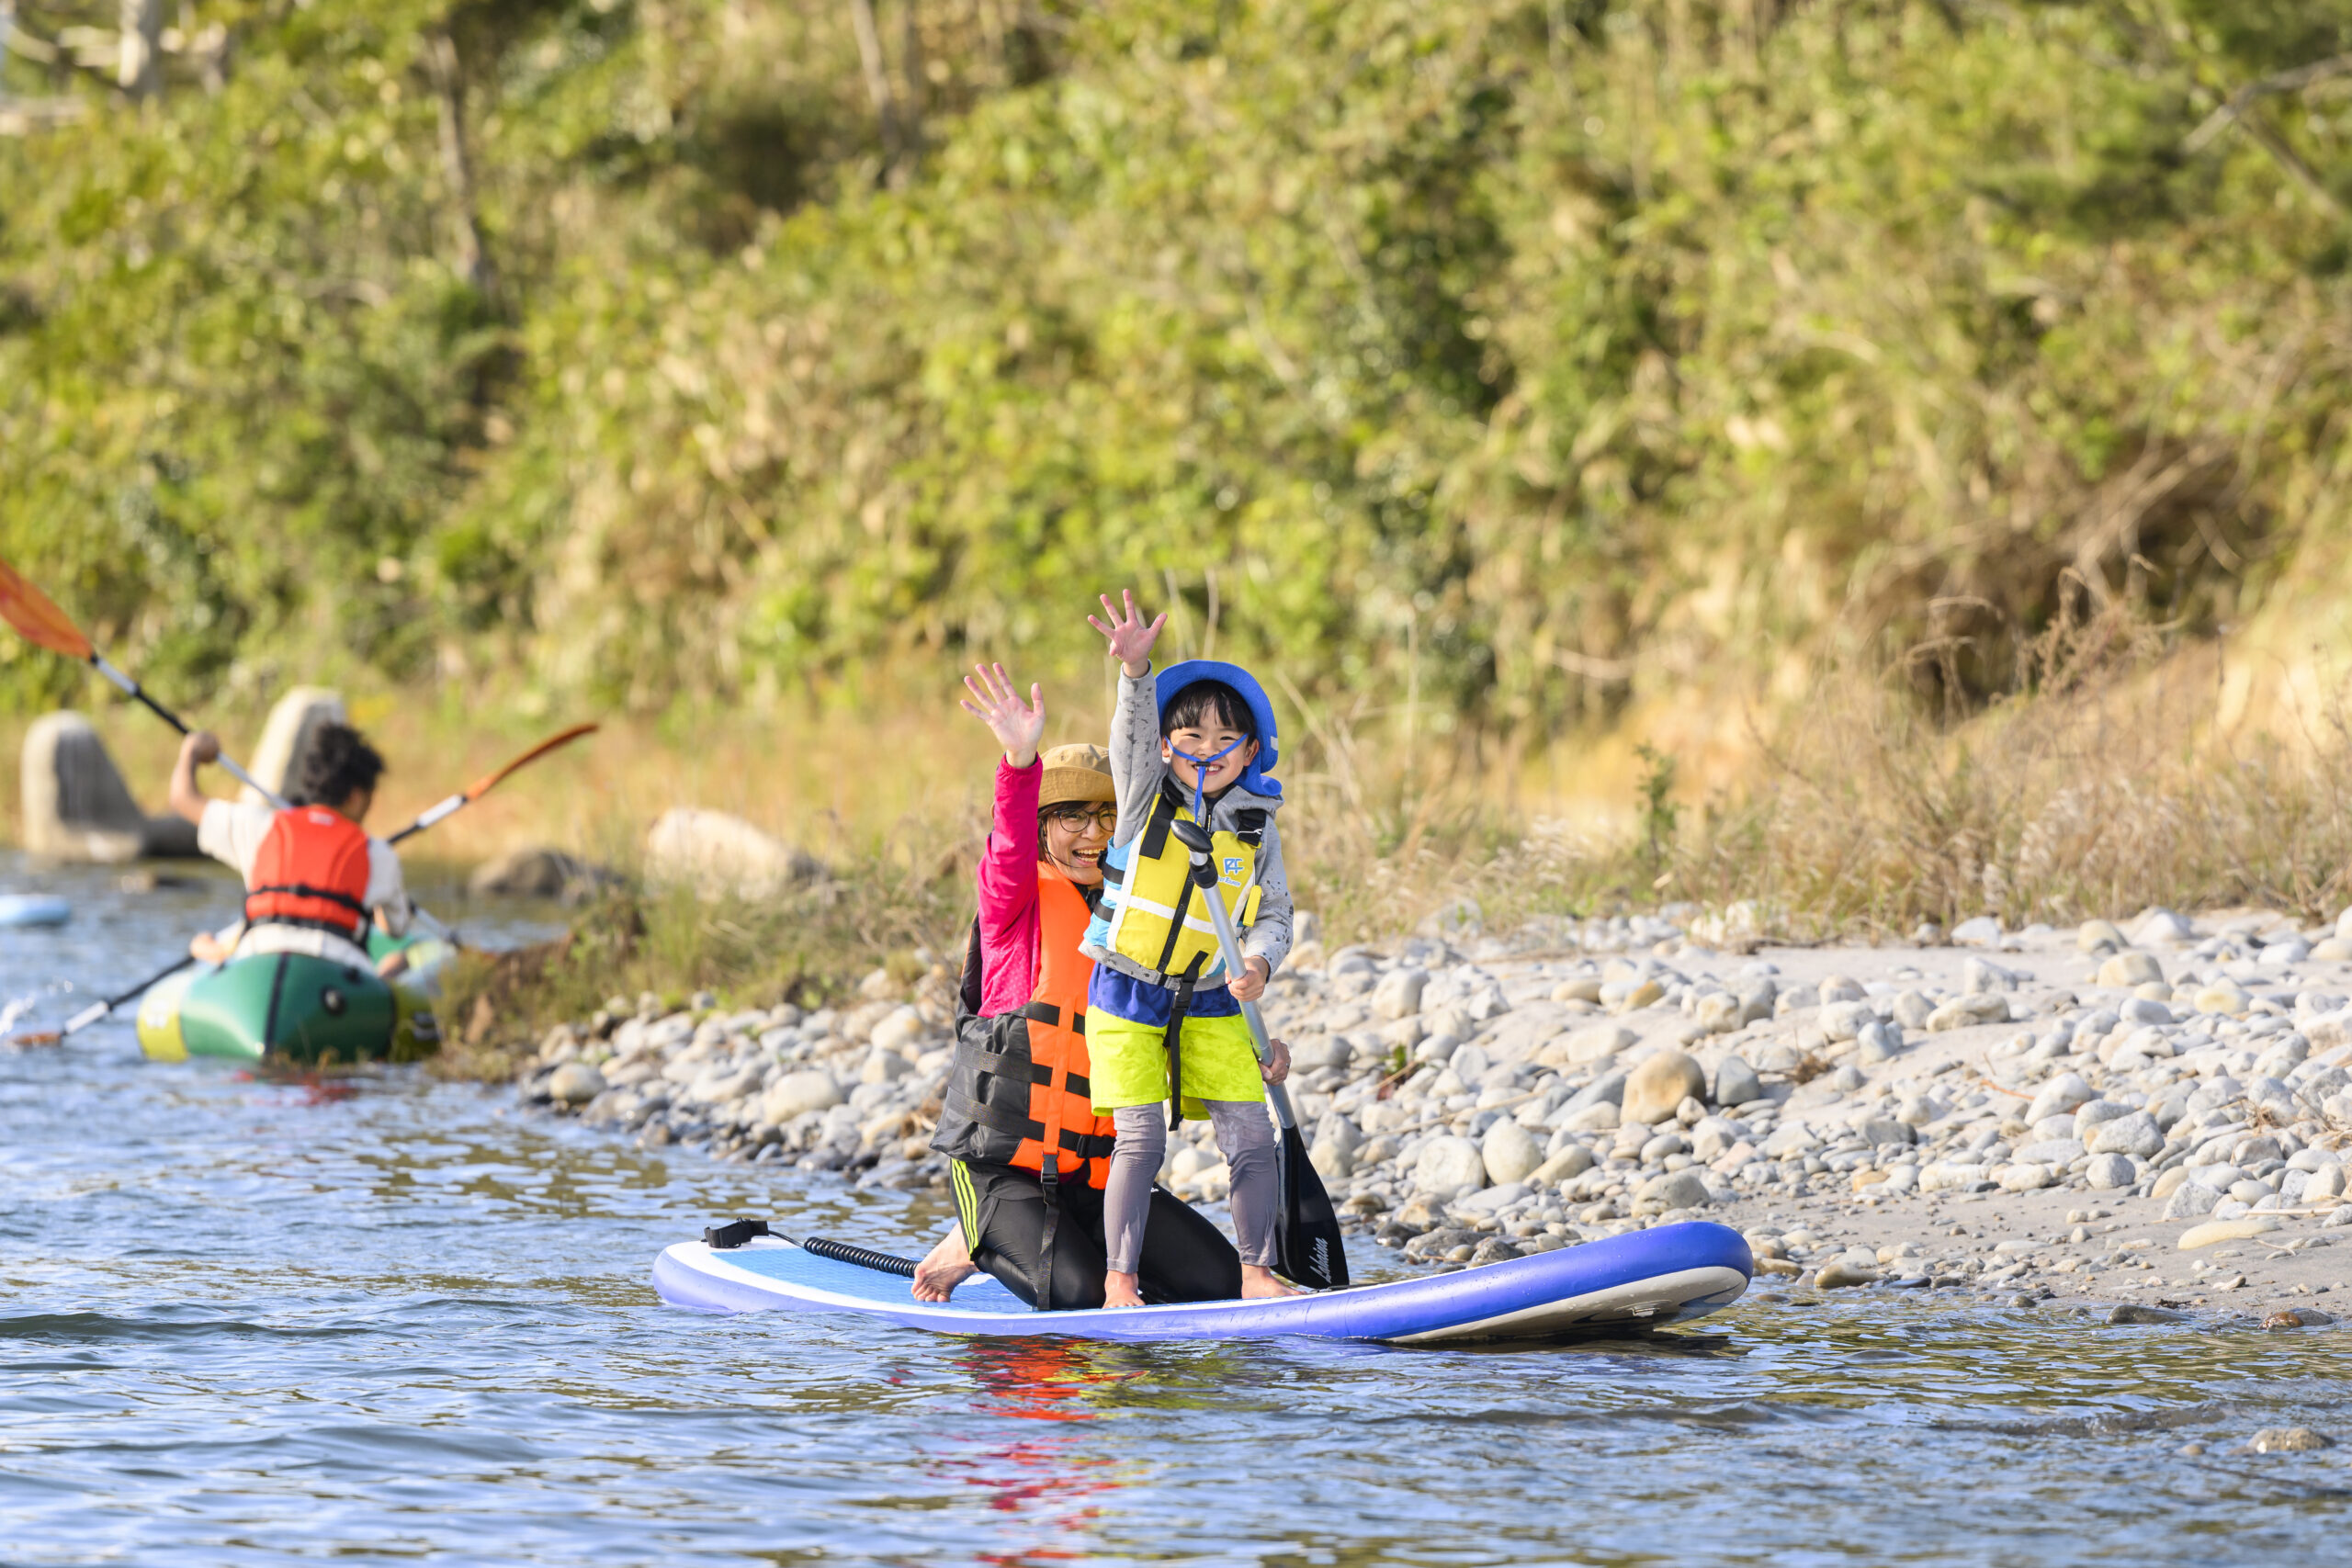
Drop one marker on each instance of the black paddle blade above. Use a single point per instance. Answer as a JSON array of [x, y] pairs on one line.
[[1306, 1233]]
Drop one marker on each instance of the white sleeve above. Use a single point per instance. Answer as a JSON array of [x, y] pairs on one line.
[[387, 893], [1269, 936], [1135, 767], [230, 832]]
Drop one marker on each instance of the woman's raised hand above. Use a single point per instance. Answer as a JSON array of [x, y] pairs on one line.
[[1129, 637], [1017, 727]]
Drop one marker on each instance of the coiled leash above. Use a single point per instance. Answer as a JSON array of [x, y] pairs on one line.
[[727, 1237]]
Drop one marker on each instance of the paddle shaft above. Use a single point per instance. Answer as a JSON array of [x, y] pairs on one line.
[[98, 1009], [454, 804], [1228, 944], [431, 814], [131, 688], [1313, 1250]]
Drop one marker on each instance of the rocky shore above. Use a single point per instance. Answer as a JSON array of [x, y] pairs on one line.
[[2158, 1117]]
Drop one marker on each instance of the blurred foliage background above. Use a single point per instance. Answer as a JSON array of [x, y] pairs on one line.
[[1527, 358]]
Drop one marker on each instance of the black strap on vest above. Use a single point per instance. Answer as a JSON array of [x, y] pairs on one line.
[[1051, 1016], [306, 923], [304, 890], [1179, 1005], [1156, 825], [1041, 1278]]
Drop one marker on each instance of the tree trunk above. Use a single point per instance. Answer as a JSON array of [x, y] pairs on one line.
[[878, 80], [138, 69], [456, 164], [910, 62]]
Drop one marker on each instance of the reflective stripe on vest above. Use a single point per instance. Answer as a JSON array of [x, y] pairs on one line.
[[1020, 1085], [1153, 915], [312, 869]]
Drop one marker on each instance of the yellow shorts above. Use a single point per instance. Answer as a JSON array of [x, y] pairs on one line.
[[1127, 1062]]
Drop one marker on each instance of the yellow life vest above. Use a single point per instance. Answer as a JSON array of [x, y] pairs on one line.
[[1152, 910]]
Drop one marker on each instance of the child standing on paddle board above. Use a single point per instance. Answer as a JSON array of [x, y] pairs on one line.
[[1163, 1018]]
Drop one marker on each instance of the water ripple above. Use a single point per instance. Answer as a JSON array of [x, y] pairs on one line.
[[242, 1322]]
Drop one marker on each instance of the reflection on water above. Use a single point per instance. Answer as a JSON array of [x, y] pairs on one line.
[[253, 1321]]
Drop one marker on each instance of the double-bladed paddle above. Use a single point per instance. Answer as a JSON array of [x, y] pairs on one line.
[[489, 782], [98, 1009], [42, 623], [1307, 1230]]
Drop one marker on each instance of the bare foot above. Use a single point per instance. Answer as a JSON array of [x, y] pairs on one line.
[[946, 1266], [1121, 1290], [1260, 1284]]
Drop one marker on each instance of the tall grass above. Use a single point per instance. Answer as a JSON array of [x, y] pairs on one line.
[[2119, 792]]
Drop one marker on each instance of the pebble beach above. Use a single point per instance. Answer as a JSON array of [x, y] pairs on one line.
[[2144, 1119]]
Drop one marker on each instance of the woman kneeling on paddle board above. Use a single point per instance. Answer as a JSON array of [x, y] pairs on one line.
[[1031, 1158]]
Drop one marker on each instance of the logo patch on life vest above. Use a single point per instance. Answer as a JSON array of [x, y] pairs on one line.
[[1233, 868]]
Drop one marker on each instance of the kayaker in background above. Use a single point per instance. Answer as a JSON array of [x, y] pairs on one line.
[[313, 877], [1029, 1156]]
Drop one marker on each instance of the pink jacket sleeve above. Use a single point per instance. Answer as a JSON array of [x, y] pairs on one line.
[[1008, 888], [1008, 869]]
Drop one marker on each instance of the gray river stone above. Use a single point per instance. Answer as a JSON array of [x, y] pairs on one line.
[[1448, 1164], [576, 1083], [813, 1089], [1510, 1153], [2108, 1172]]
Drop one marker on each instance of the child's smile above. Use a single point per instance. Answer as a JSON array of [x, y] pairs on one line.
[[1207, 741]]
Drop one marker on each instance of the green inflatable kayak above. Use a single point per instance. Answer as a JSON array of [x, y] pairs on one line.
[[292, 1007]]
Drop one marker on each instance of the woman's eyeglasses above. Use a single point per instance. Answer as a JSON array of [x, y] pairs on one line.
[[1075, 818]]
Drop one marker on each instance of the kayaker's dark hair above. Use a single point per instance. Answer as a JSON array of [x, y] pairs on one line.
[[1204, 702], [337, 761]]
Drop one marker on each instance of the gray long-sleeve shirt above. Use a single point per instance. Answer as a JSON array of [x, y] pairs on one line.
[[1137, 771]]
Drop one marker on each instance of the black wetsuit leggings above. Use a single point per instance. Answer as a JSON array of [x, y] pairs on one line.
[[1185, 1257]]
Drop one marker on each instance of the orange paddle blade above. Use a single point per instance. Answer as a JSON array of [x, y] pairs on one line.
[[37, 620], [483, 785]]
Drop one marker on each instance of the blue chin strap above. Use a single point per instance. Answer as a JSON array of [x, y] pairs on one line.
[[1201, 771]]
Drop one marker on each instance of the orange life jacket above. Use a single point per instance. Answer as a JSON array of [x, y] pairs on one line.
[[312, 869], [1018, 1088]]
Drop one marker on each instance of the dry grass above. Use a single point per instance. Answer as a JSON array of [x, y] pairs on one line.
[[2099, 799]]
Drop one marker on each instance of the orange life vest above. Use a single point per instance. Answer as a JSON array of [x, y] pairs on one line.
[[312, 869], [1018, 1088]]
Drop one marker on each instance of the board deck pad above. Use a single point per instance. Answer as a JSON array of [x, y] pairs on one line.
[[1647, 1278]]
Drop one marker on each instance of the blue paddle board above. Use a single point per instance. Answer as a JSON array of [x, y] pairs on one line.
[[1644, 1279]]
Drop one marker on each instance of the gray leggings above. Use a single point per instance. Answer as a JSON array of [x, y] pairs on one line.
[[1245, 1134]]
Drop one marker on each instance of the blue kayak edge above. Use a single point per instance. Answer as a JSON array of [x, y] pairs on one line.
[[1666, 1274]]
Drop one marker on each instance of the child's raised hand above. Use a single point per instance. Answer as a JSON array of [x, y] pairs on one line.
[[1017, 727], [1130, 638]]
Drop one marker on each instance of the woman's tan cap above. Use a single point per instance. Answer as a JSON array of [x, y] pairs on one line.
[[1075, 772]]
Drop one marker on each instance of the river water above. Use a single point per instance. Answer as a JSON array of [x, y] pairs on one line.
[[249, 1322]]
